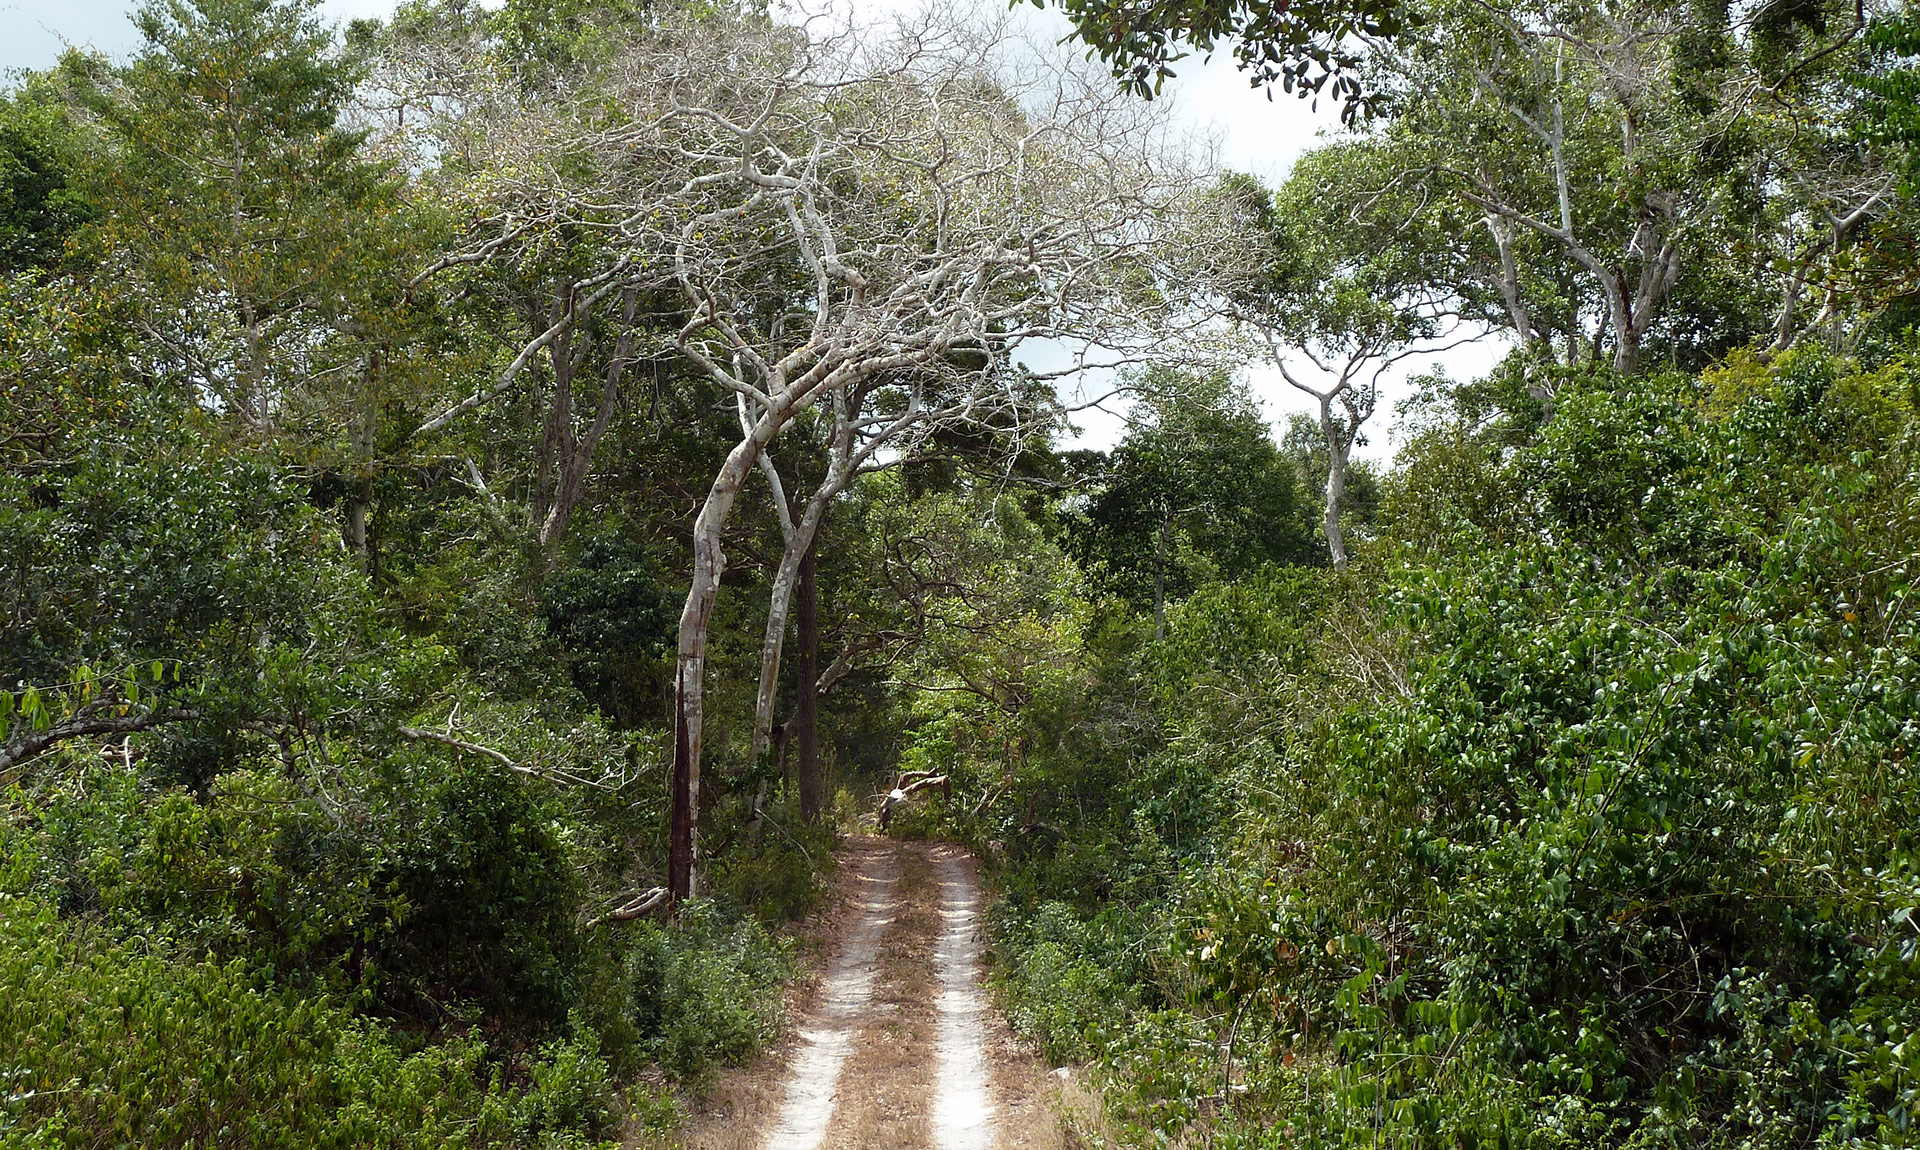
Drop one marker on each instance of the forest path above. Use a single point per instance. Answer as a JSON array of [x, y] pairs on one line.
[[897, 1046]]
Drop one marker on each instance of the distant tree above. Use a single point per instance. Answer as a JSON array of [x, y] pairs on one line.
[[41, 202], [1633, 180], [1336, 303], [1305, 445], [244, 204], [1196, 488]]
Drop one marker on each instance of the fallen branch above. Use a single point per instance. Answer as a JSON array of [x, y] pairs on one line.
[[641, 904], [500, 757], [929, 780], [903, 789]]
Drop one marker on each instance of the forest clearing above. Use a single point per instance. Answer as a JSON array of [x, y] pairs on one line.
[[560, 586]]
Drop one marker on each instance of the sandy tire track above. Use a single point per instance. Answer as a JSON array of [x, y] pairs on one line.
[[826, 1039], [963, 1109], [898, 1046], [883, 1100]]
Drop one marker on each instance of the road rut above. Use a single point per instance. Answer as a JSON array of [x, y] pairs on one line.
[[899, 1047]]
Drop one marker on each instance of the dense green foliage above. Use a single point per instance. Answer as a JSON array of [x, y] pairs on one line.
[[1197, 491], [345, 492], [1611, 840]]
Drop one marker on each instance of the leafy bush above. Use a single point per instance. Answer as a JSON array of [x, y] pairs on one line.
[[255, 870], [704, 991], [572, 1097], [613, 618], [488, 894], [1068, 984], [779, 874], [121, 1043], [1612, 846]]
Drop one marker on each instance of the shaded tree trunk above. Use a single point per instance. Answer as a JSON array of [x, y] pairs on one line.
[[806, 718], [571, 481]]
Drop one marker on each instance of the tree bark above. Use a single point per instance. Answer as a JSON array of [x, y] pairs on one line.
[[1338, 447], [709, 563], [571, 483], [794, 559], [806, 717]]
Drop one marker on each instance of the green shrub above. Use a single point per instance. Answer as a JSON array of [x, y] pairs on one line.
[[704, 990], [253, 870], [572, 1094], [1605, 838], [489, 897], [780, 874], [1069, 985], [105, 1044]]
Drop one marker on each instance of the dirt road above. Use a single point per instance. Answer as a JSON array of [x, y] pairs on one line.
[[897, 1046]]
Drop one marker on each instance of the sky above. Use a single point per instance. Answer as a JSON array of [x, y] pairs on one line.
[[1250, 133]]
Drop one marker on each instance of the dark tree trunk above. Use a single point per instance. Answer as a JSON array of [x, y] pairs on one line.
[[681, 820], [1162, 544], [806, 716], [570, 478]]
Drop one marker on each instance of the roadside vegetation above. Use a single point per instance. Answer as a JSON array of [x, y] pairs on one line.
[[488, 497]]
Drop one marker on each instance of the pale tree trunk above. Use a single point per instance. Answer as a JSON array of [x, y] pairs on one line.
[[1651, 249], [794, 558], [1339, 435], [806, 714], [847, 454], [1339, 446], [1626, 344], [709, 563], [1510, 294]]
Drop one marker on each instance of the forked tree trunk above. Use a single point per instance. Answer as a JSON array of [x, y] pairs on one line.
[[806, 717], [796, 558], [577, 460]]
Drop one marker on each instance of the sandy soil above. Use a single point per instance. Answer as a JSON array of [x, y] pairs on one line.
[[894, 1044]]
